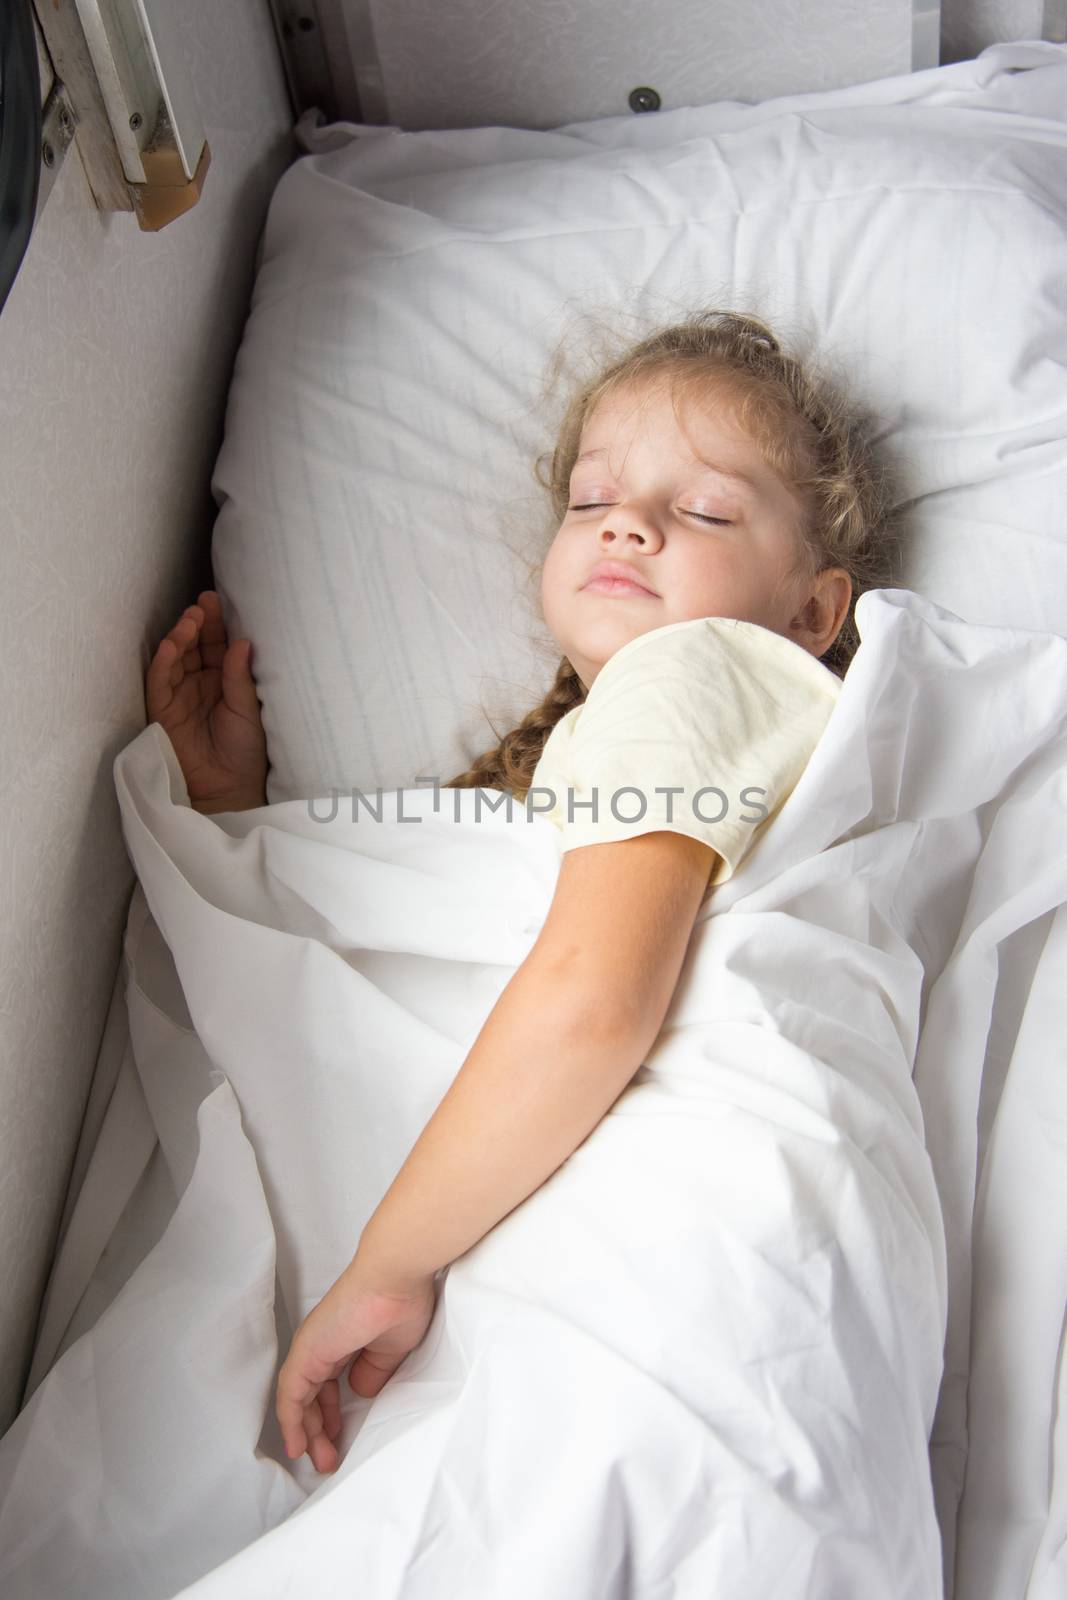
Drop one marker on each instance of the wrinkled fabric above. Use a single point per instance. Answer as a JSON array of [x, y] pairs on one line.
[[705, 1356]]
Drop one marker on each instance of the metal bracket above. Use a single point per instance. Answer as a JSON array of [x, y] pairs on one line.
[[326, 46], [298, 31], [166, 187], [58, 125], [72, 65]]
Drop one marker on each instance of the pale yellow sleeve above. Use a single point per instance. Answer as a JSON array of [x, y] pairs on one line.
[[701, 728]]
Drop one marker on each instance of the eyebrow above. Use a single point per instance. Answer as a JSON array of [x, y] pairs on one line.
[[738, 477]]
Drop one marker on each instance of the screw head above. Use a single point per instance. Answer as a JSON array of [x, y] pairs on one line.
[[136, 120], [48, 155], [644, 99], [64, 119]]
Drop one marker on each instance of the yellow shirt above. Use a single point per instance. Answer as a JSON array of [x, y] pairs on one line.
[[723, 713]]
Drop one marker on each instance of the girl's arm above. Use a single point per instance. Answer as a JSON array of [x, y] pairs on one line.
[[561, 1043]]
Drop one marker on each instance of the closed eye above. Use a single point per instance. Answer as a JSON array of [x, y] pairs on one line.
[[721, 521]]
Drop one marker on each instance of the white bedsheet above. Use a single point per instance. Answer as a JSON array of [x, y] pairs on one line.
[[704, 1358]]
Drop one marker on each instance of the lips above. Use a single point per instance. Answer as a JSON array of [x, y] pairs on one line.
[[620, 570]]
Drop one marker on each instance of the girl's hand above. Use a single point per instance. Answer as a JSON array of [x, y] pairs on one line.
[[202, 693], [352, 1318]]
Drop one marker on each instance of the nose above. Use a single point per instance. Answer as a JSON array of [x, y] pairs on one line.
[[623, 526]]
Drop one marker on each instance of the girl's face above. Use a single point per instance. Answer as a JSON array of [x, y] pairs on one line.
[[697, 517]]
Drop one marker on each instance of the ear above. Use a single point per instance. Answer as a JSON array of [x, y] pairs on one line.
[[823, 610]]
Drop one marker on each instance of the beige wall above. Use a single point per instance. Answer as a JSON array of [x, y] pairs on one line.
[[422, 65], [116, 348]]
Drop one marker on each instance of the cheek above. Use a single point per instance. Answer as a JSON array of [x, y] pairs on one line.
[[551, 577], [558, 564]]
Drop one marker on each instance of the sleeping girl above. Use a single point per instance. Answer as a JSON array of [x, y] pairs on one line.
[[719, 516]]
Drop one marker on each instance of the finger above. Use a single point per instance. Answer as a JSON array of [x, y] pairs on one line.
[[168, 666], [184, 657], [213, 630], [324, 1455], [298, 1387], [321, 1451], [238, 684], [330, 1405], [186, 634], [296, 1442], [159, 691], [369, 1376]]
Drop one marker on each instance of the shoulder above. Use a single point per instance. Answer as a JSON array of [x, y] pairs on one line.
[[703, 649]]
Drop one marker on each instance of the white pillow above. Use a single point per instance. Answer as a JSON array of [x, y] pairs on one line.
[[376, 484]]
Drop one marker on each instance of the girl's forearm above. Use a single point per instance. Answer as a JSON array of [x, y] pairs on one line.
[[537, 1080]]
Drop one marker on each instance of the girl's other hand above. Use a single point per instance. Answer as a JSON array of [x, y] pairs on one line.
[[202, 693], [352, 1318]]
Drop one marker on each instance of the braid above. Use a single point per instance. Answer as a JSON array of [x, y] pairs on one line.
[[510, 764]]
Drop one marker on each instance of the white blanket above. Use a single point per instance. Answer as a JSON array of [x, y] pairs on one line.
[[704, 1358]]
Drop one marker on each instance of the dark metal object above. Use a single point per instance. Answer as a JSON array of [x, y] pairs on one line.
[[313, 74], [20, 137], [644, 99]]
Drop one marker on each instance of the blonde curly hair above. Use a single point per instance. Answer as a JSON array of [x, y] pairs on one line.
[[809, 433]]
